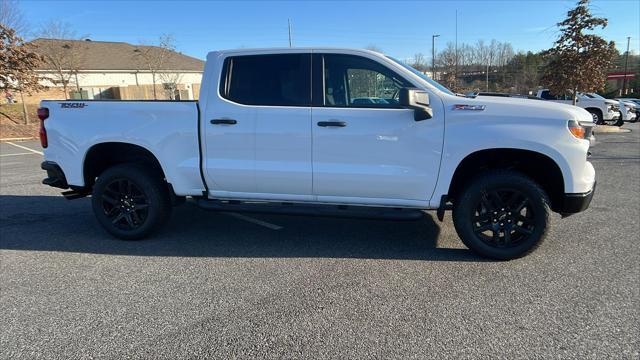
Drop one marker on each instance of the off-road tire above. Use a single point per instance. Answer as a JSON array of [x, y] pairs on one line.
[[149, 194], [504, 183]]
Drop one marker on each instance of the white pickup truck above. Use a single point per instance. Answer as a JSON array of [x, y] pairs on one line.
[[603, 111], [279, 130]]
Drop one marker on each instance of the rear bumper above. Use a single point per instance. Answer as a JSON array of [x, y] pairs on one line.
[[55, 175], [575, 203]]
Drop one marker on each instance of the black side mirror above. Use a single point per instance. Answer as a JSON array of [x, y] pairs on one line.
[[418, 100]]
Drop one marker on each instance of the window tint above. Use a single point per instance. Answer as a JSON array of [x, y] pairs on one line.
[[360, 82], [547, 95], [270, 80]]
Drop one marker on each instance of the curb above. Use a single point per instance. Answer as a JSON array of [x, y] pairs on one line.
[[606, 129]]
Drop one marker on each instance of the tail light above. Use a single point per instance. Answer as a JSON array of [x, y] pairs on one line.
[[43, 114]]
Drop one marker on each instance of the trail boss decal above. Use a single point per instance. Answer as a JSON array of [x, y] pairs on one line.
[[74, 105]]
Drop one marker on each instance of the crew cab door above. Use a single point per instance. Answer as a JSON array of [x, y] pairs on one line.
[[367, 148], [258, 128]]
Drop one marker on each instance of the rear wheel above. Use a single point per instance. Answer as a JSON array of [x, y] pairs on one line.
[[130, 201], [502, 215]]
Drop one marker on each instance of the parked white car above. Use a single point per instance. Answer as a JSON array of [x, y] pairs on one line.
[[628, 113], [603, 111], [634, 106], [277, 130]]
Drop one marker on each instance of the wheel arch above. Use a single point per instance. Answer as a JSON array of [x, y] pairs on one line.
[[596, 110], [539, 167], [101, 156]]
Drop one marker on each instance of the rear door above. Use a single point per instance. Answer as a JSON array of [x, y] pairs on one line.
[[366, 148], [258, 137]]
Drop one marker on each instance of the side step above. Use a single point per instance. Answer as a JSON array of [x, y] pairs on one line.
[[360, 212]]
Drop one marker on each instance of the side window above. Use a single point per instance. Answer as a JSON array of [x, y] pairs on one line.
[[268, 80], [354, 81], [547, 95]]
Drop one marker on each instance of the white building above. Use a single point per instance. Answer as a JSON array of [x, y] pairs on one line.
[[117, 70]]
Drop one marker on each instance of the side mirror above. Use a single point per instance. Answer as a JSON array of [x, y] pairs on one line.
[[418, 100]]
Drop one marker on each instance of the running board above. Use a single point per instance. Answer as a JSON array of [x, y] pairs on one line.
[[360, 212]]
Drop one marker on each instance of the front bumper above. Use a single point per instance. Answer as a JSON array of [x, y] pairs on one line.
[[55, 175], [575, 203]]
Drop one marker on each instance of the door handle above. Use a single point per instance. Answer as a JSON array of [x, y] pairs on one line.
[[332, 123], [223, 122]]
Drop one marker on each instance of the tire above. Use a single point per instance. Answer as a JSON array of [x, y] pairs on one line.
[[596, 115], [131, 201], [502, 215], [618, 122]]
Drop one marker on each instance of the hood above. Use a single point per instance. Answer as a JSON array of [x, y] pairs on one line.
[[630, 104], [524, 108]]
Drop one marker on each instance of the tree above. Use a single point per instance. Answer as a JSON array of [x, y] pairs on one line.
[[418, 62], [447, 61], [154, 58], [18, 64], [578, 62], [170, 81], [64, 58], [12, 17], [374, 47]]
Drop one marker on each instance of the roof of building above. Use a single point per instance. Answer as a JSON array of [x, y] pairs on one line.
[[108, 55]]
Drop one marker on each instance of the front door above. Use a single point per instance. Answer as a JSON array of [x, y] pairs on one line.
[[258, 130], [366, 148]]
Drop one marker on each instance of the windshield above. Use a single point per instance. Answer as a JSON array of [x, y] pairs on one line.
[[591, 95], [422, 76]]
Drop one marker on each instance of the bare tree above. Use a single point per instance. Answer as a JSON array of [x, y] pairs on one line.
[[170, 81], [18, 66], [418, 62], [155, 58], [63, 54], [374, 47], [447, 61], [12, 17]]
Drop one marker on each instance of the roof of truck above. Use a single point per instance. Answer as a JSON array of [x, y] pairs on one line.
[[285, 50]]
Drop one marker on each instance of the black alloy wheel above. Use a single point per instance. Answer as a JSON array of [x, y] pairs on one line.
[[502, 214], [131, 200], [125, 204], [503, 218]]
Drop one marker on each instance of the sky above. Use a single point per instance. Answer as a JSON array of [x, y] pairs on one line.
[[400, 29]]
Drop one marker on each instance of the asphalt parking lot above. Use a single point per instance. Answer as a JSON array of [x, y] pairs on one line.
[[226, 286]]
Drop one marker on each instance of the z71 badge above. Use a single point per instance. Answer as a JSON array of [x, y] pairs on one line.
[[73, 105]]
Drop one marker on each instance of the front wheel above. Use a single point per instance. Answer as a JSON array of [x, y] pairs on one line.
[[130, 201], [502, 215], [596, 116], [615, 122]]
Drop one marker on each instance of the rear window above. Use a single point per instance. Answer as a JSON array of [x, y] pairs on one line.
[[268, 80]]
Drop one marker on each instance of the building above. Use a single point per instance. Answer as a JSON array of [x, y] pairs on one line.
[[617, 79], [115, 70]]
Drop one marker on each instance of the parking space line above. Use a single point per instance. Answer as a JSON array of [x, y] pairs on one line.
[[25, 148], [254, 221], [16, 154]]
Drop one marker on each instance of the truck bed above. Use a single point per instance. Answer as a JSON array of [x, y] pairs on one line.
[[167, 129]]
